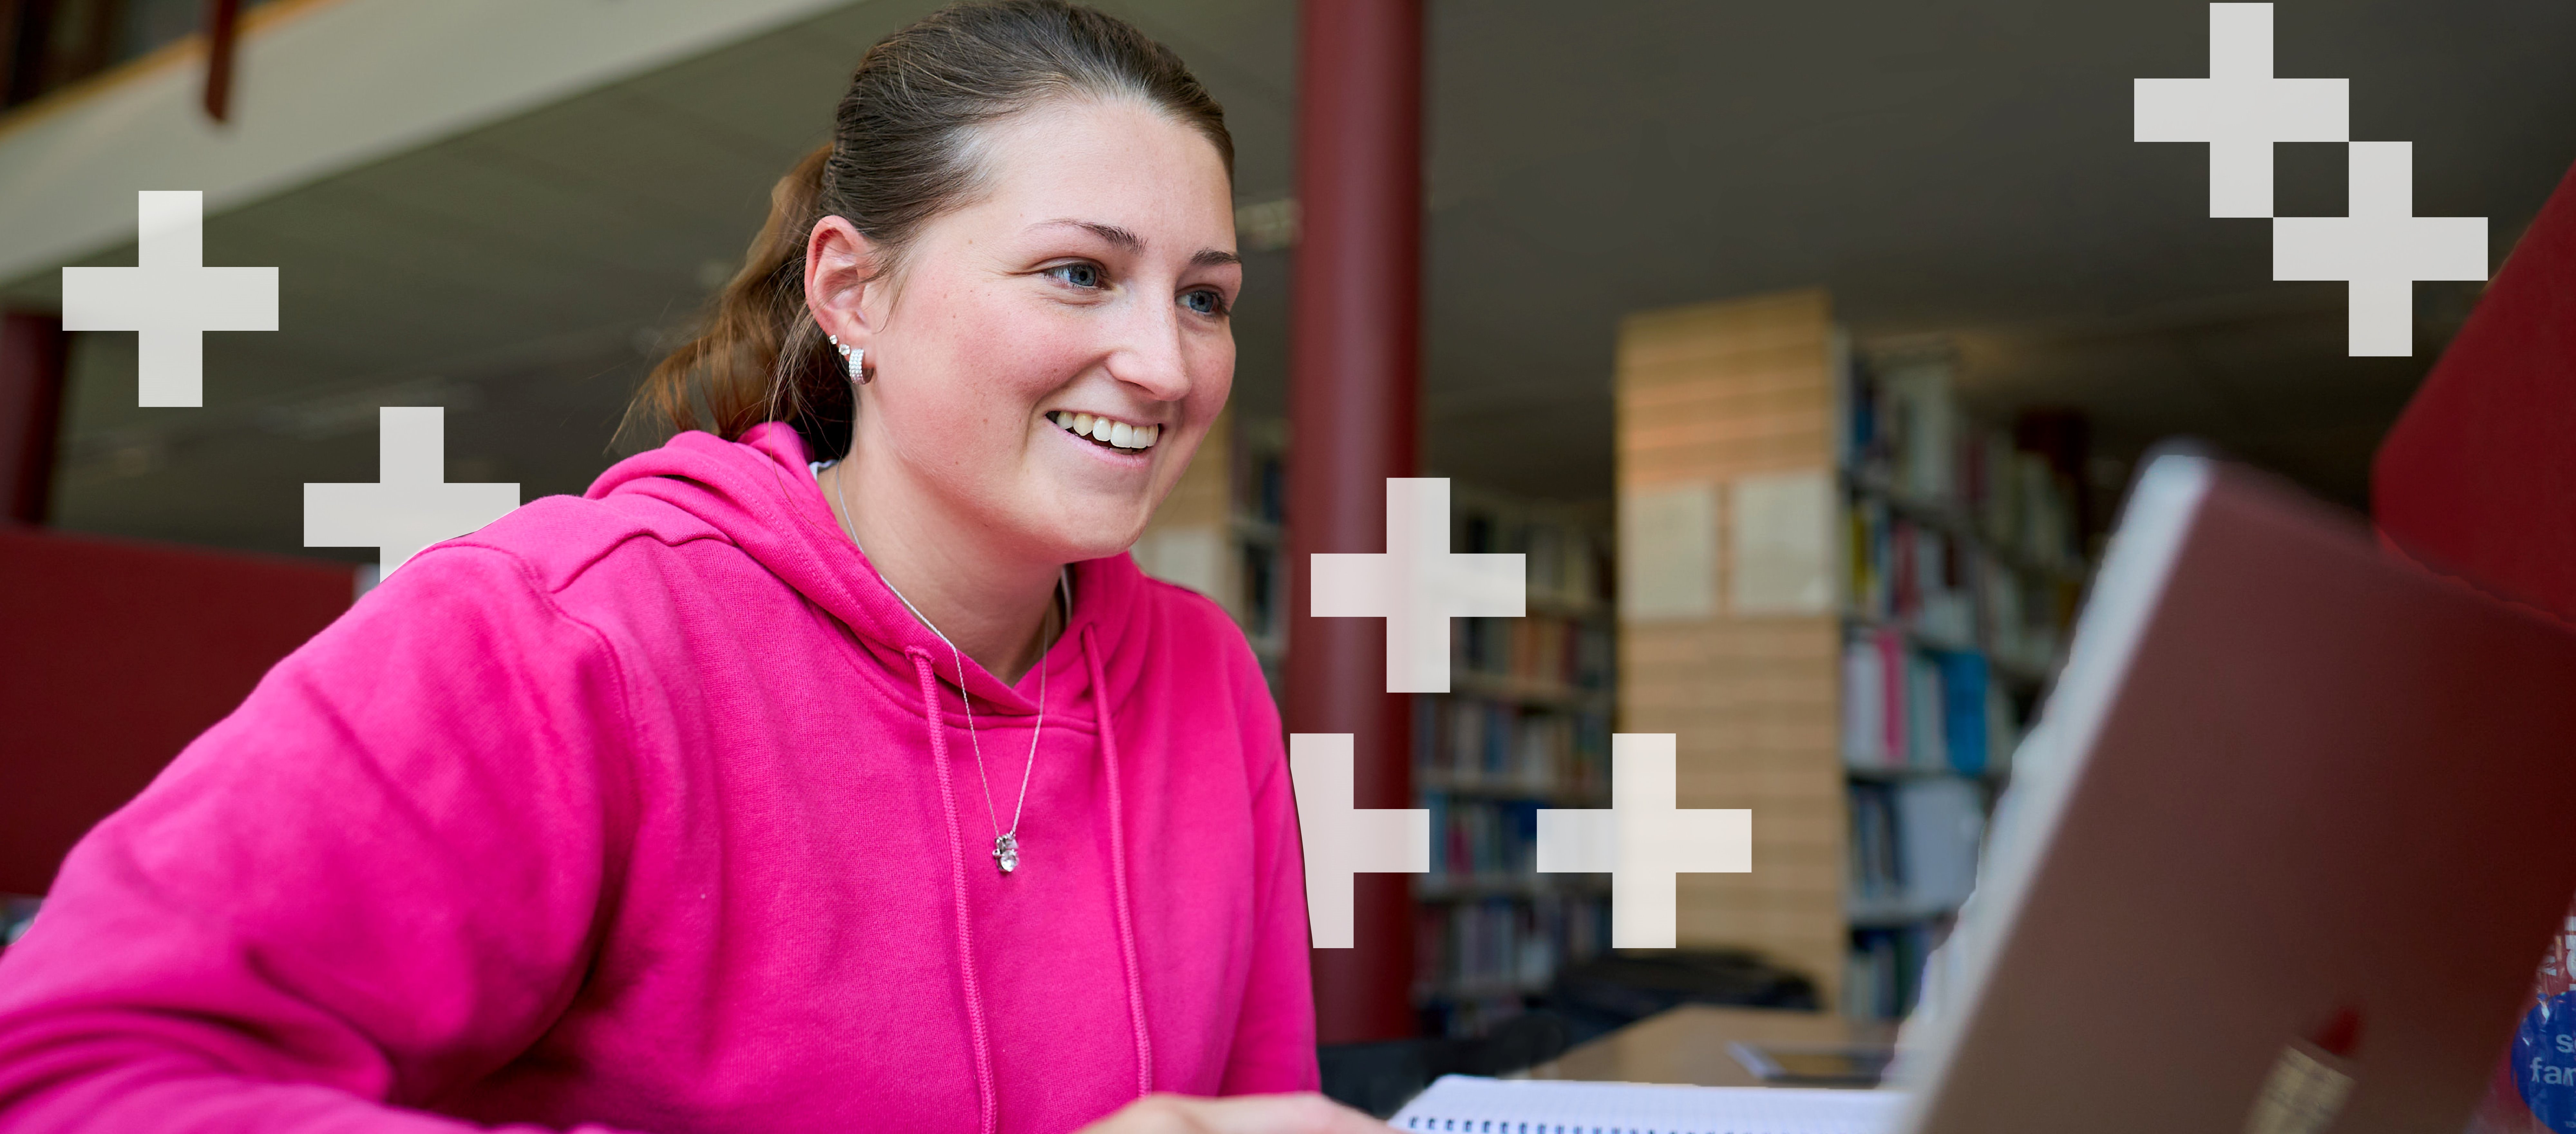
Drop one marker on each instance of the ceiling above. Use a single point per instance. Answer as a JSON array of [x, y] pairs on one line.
[[1960, 168]]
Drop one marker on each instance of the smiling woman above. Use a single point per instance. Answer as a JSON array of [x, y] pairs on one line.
[[1089, 276], [666, 808]]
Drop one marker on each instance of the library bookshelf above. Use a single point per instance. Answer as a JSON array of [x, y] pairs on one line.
[[1526, 723], [1843, 595]]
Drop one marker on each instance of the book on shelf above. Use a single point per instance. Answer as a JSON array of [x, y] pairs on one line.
[[1960, 677], [1904, 420], [1940, 824], [1883, 977], [1914, 846], [1910, 709], [1875, 879]]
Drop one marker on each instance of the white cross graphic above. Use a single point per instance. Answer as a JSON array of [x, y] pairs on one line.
[[411, 506], [1644, 840], [1417, 585], [171, 298], [2240, 110], [2381, 249], [1341, 840]]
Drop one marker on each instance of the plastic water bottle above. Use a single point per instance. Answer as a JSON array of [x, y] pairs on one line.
[[2534, 1092]]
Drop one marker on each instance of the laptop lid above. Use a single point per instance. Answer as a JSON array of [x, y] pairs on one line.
[[2285, 850]]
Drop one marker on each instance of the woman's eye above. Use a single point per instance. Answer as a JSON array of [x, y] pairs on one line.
[[1079, 275], [1205, 301]]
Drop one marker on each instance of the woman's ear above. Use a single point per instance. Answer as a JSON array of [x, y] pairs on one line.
[[840, 268]]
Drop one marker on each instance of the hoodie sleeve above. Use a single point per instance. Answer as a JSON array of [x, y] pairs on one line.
[[1274, 1038], [378, 879]]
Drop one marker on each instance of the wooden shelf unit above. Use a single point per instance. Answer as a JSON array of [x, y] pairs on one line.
[[1753, 503], [1708, 397]]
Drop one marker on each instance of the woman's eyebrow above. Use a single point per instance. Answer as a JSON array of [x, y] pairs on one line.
[[1127, 241]]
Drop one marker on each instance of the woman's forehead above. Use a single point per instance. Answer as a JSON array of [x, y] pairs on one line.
[[1119, 170]]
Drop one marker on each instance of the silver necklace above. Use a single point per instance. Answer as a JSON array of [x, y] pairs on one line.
[[1006, 844]]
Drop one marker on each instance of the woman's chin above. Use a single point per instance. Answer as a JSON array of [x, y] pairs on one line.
[[1073, 543], [1089, 512]]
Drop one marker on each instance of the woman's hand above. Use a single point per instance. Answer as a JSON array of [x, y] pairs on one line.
[[1244, 1114]]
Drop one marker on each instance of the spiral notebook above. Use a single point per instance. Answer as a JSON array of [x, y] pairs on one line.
[[1465, 1104]]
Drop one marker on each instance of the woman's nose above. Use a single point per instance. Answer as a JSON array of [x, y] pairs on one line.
[[1151, 357]]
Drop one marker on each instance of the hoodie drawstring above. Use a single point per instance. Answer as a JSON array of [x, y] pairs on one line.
[[987, 1118], [930, 707], [1118, 869]]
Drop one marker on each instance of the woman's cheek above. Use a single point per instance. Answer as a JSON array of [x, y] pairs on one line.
[[1212, 375]]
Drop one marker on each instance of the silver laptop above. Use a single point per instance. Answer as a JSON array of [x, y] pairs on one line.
[[2284, 855]]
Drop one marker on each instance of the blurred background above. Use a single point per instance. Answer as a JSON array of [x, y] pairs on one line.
[[1805, 349]]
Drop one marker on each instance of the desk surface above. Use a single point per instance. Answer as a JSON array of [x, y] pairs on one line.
[[1688, 1045]]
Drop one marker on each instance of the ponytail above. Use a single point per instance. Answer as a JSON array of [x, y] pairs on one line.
[[759, 356]]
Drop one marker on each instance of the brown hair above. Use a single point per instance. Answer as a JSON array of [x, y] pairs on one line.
[[901, 153]]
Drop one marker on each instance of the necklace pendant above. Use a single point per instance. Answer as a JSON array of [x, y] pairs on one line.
[[1006, 853]]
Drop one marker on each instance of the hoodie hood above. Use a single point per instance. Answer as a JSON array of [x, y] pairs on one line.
[[760, 495]]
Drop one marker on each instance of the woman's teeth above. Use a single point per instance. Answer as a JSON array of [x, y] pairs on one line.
[[1115, 434]]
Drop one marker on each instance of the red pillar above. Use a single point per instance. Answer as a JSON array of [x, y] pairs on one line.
[[1354, 361], [32, 356], [223, 42]]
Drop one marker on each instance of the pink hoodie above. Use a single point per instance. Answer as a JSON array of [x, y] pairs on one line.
[[631, 810]]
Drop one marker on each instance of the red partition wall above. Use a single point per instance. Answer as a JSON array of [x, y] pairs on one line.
[[2478, 481], [113, 655], [2478, 478]]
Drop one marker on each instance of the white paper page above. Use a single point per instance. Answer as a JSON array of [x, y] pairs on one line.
[[1780, 543], [1668, 551], [1466, 1104]]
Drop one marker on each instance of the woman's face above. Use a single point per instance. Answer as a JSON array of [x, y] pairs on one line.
[[1089, 287]]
